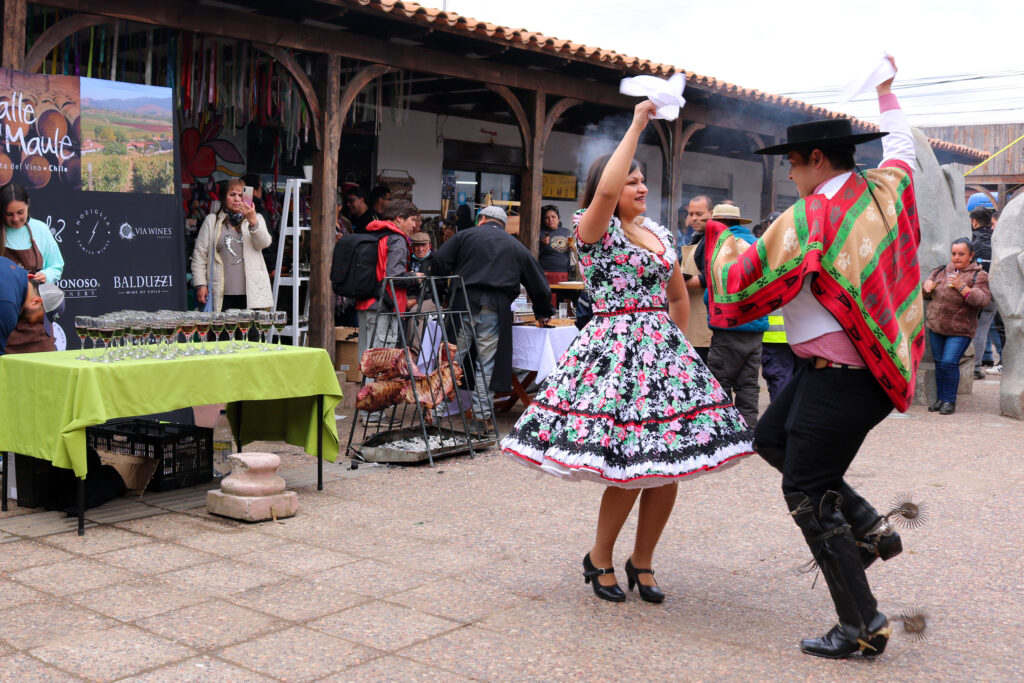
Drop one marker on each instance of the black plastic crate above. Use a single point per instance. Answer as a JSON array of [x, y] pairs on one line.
[[185, 451]]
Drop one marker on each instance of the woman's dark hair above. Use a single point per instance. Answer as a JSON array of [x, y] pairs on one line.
[[11, 192], [463, 217], [966, 242], [594, 177], [400, 208], [550, 207]]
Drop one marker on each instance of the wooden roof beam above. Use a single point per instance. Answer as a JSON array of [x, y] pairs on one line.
[[246, 26]]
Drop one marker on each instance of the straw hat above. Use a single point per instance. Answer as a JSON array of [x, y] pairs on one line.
[[728, 212]]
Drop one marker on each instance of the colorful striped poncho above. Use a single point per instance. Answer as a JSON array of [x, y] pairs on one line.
[[866, 265]]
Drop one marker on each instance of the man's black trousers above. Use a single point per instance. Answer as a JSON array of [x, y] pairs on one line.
[[815, 426]]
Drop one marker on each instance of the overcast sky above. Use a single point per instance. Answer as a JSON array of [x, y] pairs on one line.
[[807, 48]]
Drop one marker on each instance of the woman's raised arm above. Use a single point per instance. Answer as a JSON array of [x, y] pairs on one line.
[[594, 222]]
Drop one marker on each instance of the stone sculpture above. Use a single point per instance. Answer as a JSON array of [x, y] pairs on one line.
[[940, 206], [943, 216], [1006, 279]]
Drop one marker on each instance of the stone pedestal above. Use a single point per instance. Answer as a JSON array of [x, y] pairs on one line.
[[253, 492], [924, 389]]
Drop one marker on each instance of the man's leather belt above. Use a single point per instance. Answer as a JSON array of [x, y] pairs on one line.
[[821, 363]]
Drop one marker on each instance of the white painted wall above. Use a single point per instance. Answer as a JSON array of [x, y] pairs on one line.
[[740, 180], [417, 146]]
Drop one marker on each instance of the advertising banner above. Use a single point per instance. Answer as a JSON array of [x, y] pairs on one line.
[[99, 161]]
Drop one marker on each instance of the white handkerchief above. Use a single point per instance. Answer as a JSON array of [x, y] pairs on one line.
[[666, 94], [880, 72]]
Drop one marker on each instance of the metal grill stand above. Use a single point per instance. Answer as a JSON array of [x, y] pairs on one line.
[[422, 332]]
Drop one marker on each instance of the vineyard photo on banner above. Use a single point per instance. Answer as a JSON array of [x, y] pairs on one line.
[[100, 162]]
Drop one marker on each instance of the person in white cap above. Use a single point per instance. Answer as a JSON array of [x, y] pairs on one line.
[[493, 264]]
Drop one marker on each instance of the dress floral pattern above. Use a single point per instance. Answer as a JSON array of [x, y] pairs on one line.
[[630, 404]]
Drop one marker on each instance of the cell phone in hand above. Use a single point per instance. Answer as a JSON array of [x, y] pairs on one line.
[[247, 195]]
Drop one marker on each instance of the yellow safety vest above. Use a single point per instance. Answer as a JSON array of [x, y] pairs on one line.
[[776, 333]]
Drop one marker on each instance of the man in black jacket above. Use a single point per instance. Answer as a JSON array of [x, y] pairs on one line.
[[981, 241], [493, 264]]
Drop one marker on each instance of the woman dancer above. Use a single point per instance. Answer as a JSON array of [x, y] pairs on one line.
[[631, 405]]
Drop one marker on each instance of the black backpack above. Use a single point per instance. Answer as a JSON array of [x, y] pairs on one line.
[[354, 269]]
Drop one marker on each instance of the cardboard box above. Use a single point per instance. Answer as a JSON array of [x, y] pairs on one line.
[[346, 353], [136, 471]]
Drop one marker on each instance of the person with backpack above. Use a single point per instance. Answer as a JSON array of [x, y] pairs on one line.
[[493, 266], [394, 253], [362, 261]]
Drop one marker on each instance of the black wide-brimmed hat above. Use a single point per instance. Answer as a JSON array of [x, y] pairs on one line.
[[827, 133]]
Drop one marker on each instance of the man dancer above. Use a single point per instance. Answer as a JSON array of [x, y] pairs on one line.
[[842, 263]]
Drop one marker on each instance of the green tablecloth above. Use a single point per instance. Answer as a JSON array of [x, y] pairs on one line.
[[48, 399]]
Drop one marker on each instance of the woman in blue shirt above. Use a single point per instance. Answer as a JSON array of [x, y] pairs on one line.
[[28, 242]]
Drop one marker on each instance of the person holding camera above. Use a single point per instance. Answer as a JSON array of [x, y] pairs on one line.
[[957, 291], [228, 269]]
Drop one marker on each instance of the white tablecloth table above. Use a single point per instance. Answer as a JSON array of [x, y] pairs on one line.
[[536, 349], [539, 348]]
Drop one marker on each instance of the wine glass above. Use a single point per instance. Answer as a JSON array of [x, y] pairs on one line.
[[217, 322], [94, 334], [82, 330], [245, 321], [106, 328], [188, 328], [124, 319], [280, 321], [143, 328], [168, 327], [263, 322], [116, 336], [231, 327], [203, 327]]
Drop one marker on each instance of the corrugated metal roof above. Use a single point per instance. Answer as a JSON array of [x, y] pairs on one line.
[[531, 40]]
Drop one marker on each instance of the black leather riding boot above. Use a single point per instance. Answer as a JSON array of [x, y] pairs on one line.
[[874, 534], [861, 628]]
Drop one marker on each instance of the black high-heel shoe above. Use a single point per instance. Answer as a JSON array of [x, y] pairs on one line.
[[590, 573], [648, 593]]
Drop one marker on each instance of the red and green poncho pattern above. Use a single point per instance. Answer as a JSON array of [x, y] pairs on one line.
[[864, 253]]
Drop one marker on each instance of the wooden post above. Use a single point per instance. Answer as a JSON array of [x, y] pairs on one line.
[[15, 16], [768, 164], [529, 208], [680, 136], [324, 210]]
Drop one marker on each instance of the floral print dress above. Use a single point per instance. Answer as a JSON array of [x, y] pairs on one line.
[[630, 404]]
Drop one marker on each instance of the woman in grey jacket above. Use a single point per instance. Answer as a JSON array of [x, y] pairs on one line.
[[956, 292]]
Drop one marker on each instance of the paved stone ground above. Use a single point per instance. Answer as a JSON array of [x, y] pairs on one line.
[[470, 570]]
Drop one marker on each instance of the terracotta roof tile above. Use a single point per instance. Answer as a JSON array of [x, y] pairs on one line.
[[453, 20]]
